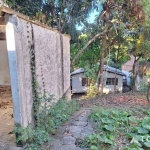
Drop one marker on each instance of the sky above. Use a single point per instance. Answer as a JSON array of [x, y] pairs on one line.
[[92, 16]]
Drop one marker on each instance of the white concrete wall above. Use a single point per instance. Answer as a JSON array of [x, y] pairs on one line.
[[77, 84], [48, 62], [22, 37], [4, 66], [110, 88]]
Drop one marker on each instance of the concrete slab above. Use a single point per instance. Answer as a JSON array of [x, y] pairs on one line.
[[80, 123], [68, 140]]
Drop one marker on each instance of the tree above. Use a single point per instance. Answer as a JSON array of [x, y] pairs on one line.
[[121, 14], [117, 16], [89, 58], [119, 51], [141, 50], [25, 6]]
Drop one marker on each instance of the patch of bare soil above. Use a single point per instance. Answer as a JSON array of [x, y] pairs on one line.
[[6, 117], [135, 99], [78, 96]]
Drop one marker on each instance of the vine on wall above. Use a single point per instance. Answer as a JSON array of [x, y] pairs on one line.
[[46, 118], [35, 95]]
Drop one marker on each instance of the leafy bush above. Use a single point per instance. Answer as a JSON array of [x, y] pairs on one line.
[[48, 120], [92, 91], [143, 85], [119, 128]]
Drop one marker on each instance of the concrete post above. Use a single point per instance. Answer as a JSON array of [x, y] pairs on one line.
[[11, 48]]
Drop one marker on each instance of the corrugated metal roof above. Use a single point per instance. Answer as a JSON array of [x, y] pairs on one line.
[[106, 68], [80, 70], [113, 70]]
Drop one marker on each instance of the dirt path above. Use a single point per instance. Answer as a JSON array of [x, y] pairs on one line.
[[76, 128], [7, 137]]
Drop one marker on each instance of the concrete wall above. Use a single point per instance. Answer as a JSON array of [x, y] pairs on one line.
[[49, 63], [12, 58], [4, 66], [78, 88], [22, 37]]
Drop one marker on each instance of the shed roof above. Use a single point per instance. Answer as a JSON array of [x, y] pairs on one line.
[[80, 70], [113, 70], [106, 68]]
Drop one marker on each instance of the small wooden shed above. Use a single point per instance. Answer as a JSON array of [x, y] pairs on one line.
[[79, 81]]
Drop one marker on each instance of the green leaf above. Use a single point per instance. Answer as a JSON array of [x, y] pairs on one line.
[[105, 113], [147, 127], [135, 141], [142, 130], [93, 147], [105, 120], [109, 127], [147, 144], [116, 46], [132, 119], [108, 141]]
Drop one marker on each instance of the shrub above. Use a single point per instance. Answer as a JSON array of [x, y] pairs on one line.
[[143, 85], [49, 118]]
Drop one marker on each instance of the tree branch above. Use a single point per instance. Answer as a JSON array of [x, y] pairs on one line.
[[53, 13], [67, 16], [59, 20], [89, 42]]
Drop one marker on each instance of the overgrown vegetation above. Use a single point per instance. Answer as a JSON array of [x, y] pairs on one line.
[[121, 28], [118, 129], [143, 85], [49, 118], [92, 91]]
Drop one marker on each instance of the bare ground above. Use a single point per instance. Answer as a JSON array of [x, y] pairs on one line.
[[6, 117], [135, 99]]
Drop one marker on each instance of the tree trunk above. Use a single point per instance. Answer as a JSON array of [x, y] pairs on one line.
[[102, 64], [116, 71], [148, 90], [115, 78], [134, 74]]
